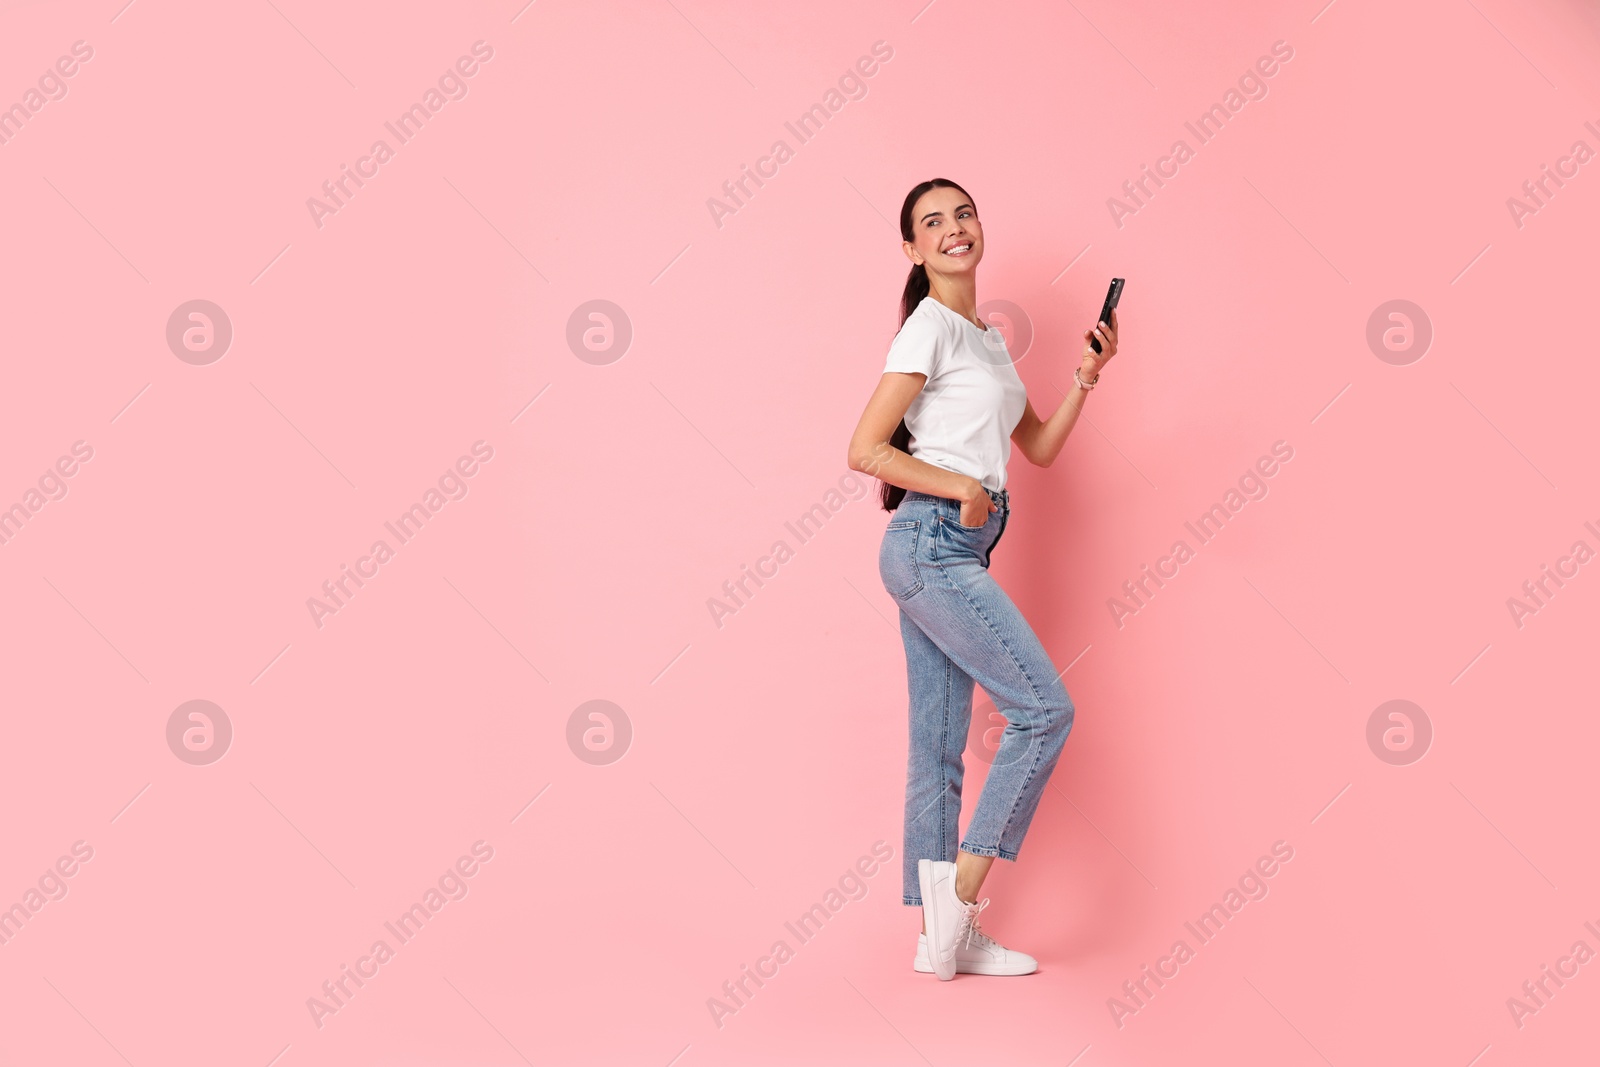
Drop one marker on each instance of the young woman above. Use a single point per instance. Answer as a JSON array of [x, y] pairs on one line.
[[938, 432]]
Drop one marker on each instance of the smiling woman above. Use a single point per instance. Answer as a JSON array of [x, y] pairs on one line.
[[938, 432]]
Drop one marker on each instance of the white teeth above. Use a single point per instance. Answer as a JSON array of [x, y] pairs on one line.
[[952, 250]]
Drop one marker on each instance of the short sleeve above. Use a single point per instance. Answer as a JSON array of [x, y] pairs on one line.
[[915, 349]]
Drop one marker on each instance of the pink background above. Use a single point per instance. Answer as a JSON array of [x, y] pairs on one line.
[[767, 754]]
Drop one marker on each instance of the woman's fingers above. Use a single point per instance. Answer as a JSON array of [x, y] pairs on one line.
[[1108, 338]]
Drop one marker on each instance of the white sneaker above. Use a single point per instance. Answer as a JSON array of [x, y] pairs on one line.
[[984, 955], [948, 918]]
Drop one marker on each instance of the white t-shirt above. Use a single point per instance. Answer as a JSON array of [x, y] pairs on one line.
[[963, 418]]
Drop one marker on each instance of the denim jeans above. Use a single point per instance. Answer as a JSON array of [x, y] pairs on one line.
[[960, 628]]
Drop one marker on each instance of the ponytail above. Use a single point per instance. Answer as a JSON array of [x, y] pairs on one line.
[[916, 288]]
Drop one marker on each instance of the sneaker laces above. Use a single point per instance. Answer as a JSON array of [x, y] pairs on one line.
[[983, 940], [967, 923]]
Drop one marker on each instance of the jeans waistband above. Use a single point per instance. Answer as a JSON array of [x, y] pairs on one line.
[[1001, 497]]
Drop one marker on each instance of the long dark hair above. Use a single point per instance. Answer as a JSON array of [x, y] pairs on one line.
[[916, 289]]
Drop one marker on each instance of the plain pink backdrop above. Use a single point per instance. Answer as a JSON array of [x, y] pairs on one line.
[[433, 310]]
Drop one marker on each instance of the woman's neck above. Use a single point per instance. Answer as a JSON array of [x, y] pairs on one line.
[[959, 296]]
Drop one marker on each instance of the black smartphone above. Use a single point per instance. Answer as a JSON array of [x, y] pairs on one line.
[[1113, 295]]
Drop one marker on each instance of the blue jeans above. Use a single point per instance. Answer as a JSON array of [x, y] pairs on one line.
[[960, 628]]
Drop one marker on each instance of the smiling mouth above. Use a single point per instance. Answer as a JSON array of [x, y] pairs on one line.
[[956, 251]]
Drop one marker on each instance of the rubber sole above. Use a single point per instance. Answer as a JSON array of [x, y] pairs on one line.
[[926, 968]]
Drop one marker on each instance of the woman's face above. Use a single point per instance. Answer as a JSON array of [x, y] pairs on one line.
[[949, 239]]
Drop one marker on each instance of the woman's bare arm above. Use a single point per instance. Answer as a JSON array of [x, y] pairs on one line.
[[871, 453], [1040, 440]]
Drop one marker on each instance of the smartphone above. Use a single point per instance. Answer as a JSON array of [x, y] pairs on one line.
[[1113, 295]]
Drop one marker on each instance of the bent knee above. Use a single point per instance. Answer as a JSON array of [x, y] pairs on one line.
[[1062, 711]]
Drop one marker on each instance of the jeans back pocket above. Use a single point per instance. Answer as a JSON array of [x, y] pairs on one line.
[[897, 559]]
